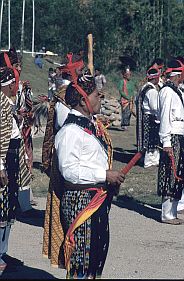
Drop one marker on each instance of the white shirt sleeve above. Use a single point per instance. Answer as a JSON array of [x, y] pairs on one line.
[[80, 157], [61, 114], [165, 102], [152, 96], [103, 79]]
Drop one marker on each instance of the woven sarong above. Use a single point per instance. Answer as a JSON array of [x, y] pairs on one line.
[[125, 115], [91, 237], [53, 237], [150, 132], [168, 186]]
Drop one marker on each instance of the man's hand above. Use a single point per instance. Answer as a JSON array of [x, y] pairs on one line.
[[3, 178], [115, 177], [168, 150]]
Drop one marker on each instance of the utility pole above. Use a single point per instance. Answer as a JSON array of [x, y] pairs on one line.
[[22, 29], [9, 32], [1, 18], [33, 29]]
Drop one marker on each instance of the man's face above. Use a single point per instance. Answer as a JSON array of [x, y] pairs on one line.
[[18, 67], [97, 72], [12, 87], [95, 101], [127, 75]]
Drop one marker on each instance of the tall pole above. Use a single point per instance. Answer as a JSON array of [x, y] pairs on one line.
[[22, 29], [9, 32], [33, 29], [90, 53], [1, 18]]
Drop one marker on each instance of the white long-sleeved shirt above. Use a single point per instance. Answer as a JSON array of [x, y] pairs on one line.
[[61, 114], [171, 115], [150, 102], [82, 159]]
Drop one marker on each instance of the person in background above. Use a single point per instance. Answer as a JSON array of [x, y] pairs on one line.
[[159, 63], [171, 113], [58, 78], [38, 61], [126, 89], [180, 207], [23, 111], [51, 83], [147, 126], [100, 80], [14, 170]]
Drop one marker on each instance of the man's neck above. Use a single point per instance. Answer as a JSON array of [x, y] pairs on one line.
[[83, 112], [174, 80]]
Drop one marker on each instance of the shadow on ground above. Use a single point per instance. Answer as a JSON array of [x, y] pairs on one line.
[[124, 156], [33, 217], [38, 165], [137, 206], [26, 273]]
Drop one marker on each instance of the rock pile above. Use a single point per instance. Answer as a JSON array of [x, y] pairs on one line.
[[111, 110]]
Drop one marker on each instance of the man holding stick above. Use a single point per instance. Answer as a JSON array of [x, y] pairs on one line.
[[171, 166]]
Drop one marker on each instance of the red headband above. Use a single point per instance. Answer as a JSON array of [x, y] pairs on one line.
[[153, 75], [85, 96], [8, 63], [170, 69], [72, 66]]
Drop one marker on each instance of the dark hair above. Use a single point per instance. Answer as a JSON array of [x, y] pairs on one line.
[[180, 58], [86, 82], [158, 61], [152, 71], [124, 69], [51, 69], [174, 63]]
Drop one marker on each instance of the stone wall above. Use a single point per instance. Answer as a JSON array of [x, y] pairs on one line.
[[111, 110]]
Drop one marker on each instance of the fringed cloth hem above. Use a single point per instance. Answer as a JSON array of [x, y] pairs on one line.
[[69, 244]]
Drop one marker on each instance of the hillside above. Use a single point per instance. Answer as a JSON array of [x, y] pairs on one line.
[[38, 77]]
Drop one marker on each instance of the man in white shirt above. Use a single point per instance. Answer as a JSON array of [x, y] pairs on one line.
[[171, 166], [147, 121], [84, 162]]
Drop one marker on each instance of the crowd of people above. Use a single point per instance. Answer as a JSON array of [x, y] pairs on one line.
[[77, 154]]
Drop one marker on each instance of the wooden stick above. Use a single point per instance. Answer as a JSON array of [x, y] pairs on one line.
[[90, 53]]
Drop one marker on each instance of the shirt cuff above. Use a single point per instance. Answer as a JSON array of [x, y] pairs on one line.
[[167, 143], [2, 167]]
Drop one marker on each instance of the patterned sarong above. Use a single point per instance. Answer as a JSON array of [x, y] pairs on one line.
[[168, 186], [17, 174], [150, 132], [91, 237], [53, 237], [125, 115]]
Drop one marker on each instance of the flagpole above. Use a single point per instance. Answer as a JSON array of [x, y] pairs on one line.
[[9, 35], [22, 29], [1, 18], [33, 33]]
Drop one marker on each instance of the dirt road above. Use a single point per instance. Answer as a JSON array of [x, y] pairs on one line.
[[140, 246]]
